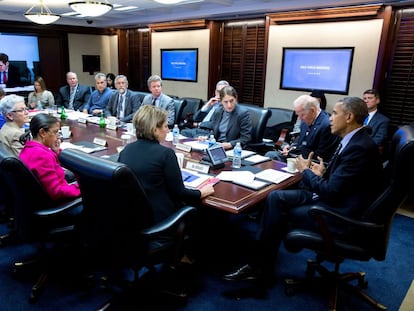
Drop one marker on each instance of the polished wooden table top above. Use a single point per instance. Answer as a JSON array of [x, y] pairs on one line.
[[227, 197]]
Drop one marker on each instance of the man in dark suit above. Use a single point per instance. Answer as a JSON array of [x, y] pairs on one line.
[[124, 103], [376, 121], [9, 75], [350, 182], [73, 95], [315, 134], [159, 99]]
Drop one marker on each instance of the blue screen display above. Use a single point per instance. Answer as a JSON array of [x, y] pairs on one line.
[[327, 69], [179, 64]]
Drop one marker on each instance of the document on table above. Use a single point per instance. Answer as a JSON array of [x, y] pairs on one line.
[[245, 153], [193, 179], [197, 145], [84, 146], [273, 176], [243, 178]]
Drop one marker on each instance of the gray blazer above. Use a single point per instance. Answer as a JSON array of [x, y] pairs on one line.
[[165, 102]]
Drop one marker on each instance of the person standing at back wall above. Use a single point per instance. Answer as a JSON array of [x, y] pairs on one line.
[[159, 99]]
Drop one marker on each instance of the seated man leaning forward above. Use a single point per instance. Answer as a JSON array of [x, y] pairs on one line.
[[315, 134], [348, 185]]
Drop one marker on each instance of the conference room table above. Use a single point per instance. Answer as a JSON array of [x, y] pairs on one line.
[[228, 196]]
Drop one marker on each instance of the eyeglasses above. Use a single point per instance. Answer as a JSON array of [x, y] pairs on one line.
[[20, 110]]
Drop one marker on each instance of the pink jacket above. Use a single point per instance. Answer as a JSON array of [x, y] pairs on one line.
[[44, 163]]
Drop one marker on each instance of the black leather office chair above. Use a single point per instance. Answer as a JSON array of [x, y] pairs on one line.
[[37, 219], [117, 228], [141, 95], [281, 119], [259, 117], [356, 239], [180, 105], [192, 106]]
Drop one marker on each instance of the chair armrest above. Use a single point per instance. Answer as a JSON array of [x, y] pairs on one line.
[[316, 211], [60, 209], [170, 222]]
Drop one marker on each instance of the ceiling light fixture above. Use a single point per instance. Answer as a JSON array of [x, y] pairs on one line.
[[169, 1], [44, 16], [91, 8]]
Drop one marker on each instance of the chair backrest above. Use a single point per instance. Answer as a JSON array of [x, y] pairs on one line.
[[28, 194], [259, 117], [141, 95], [399, 170], [180, 105], [280, 119], [115, 206], [192, 106]]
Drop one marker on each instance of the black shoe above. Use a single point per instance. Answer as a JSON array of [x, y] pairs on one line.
[[244, 273]]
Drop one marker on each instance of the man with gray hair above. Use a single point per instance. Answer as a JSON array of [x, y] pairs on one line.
[[123, 103], [315, 132], [100, 97], [159, 99]]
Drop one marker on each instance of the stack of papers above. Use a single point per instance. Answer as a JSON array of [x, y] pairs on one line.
[[193, 179], [255, 159], [245, 153], [84, 146], [197, 145], [254, 181]]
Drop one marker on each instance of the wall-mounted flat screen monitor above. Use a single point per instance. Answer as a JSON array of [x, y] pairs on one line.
[[23, 53], [91, 63], [326, 69], [179, 64]]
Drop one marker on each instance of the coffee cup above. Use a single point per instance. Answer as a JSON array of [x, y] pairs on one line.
[[125, 138], [65, 131], [180, 159], [291, 164]]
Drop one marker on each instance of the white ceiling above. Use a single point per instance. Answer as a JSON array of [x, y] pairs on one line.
[[149, 11]]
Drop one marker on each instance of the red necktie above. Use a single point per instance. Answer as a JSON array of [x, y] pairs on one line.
[[4, 77]]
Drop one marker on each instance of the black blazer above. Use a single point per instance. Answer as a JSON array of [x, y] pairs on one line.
[[132, 104], [157, 168], [81, 97], [13, 77]]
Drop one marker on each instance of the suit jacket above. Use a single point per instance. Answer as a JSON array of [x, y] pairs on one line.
[[10, 136], [44, 164], [165, 102], [353, 178], [239, 128], [132, 103], [317, 138], [157, 168], [13, 77], [379, 128], [81, 97], [200, 115]]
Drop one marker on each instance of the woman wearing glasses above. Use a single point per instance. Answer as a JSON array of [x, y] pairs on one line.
[[15, 112], [40, 156]]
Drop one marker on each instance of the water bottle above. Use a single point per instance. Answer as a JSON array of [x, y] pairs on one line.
[[102, 120], [237, 152], [176, 134], [211, 141], [63, 114]]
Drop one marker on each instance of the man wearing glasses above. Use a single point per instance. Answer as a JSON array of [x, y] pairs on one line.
[[15, 112]]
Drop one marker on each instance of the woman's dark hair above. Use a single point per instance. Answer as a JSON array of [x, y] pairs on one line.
[[41, 121], [322, 99], [228, 90]]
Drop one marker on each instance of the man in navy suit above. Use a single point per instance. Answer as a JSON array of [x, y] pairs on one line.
[[73, 95], [350, 182], [9, 75], [124, 103], [159, 99], [315, 134], [376, 121]]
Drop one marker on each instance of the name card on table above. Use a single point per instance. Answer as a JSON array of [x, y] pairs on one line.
[[183, 147], [100, 142], [202, 168], [82, 120]]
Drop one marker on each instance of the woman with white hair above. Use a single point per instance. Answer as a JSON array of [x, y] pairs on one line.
[[15, 112]]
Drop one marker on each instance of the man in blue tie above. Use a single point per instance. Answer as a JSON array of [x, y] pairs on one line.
[[347, 185], [202, 125]]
